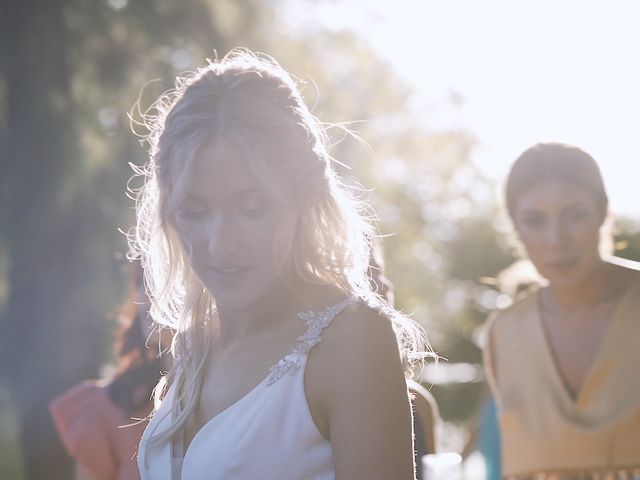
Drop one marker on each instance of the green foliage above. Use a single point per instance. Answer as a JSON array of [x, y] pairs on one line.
[[10, 454], [435, 210], [458, 401], [626, 236]]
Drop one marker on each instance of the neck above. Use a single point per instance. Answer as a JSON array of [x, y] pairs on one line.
[[593, 289], [277, 306], [238, 323]]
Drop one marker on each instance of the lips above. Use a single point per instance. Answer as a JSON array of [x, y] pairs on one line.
[[227, 271]]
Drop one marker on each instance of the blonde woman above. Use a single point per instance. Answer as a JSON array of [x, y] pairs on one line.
[[287, 366]]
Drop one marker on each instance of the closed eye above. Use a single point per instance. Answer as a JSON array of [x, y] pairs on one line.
[[575, 213], [533, 220], [254, 205], [253, 211], [191, 209]]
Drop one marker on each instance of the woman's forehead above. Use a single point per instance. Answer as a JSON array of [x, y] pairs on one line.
[[221, 168], [553, 194]]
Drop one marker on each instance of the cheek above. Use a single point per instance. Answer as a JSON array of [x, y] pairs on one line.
[[532, 240], [586, 229], [535, 250], [586, 242], [190, 236], [585, 236], [534, 247], [281, 243]]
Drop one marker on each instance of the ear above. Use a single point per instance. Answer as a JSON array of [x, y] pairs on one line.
[[606, 244], [606, 217]]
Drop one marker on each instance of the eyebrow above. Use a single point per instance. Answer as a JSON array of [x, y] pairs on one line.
[[239, 193], [578, 203]]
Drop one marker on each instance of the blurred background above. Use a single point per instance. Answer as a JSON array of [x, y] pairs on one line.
[[444, 96]]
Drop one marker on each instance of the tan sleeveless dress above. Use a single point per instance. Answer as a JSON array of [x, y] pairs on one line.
[[546, 432]]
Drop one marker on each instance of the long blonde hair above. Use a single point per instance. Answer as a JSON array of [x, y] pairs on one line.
[[250, 100]]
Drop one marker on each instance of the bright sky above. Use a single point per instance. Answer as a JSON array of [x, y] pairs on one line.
[[525, 70]]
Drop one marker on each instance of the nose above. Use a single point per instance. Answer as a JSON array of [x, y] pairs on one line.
[[556, 232], [223, 236]]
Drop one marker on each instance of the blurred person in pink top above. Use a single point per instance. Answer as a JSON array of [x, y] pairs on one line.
[[101, 421]]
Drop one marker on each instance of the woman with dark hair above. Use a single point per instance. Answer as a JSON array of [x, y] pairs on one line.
[[100, 422], [563, 360]]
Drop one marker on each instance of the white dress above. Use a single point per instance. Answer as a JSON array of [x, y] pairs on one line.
[[267, 434]]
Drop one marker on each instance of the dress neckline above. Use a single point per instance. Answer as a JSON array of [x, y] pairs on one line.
[[317, 321], [576, 401]]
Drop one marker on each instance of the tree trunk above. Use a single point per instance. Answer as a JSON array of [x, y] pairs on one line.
[[46, 275]]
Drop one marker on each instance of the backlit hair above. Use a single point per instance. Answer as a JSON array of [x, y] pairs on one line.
[[249, 100]]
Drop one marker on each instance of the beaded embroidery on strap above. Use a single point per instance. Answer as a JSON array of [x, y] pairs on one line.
[[316, 322]]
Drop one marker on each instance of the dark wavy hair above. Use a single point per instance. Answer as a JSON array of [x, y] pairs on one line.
[[139, 368], [555, 161]]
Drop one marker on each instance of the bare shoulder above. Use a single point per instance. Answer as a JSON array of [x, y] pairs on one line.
[[358, 351], [631, 277], [625, 274], [361, 334], [627, 270], [358, 398], [517, 311]]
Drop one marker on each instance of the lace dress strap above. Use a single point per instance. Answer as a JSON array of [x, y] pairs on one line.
[[316, 322]]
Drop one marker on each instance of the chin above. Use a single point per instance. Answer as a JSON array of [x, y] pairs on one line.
[[233, 301], [240, 299]]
